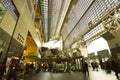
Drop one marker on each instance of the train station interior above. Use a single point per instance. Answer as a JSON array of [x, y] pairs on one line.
[[59, 39]]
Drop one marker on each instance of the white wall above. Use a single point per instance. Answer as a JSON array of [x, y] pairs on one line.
[[8, 23], [97, 45]]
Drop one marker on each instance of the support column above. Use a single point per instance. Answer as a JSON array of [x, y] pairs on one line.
[[111, 22], [84, 51], [114, 42]]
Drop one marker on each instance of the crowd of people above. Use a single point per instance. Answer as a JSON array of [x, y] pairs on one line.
[[19, 69], [112, 64]]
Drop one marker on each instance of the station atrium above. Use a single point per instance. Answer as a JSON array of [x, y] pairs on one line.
[[59, 39]]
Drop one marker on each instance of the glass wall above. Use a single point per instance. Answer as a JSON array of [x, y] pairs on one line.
[[2, 11]]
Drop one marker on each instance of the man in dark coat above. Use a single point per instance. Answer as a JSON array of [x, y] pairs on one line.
[[85, 67]]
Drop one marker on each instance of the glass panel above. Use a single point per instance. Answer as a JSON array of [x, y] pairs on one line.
[[94, 31], [11, 8], [2, 11]]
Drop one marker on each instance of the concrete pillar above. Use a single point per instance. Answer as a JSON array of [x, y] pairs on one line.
[[61, 43], [84, 51], [113, 39]]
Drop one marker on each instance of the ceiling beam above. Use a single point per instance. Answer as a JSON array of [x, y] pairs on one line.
[[78, 23], [62, 17]]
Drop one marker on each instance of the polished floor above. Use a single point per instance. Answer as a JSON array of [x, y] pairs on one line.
[[101, 75], [59, 76], [94, 75]]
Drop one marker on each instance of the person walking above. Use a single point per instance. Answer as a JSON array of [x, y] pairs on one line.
[[85, 68], [93, 65]]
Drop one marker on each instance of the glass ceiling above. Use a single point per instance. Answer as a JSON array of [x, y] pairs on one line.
[[76, 23]]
